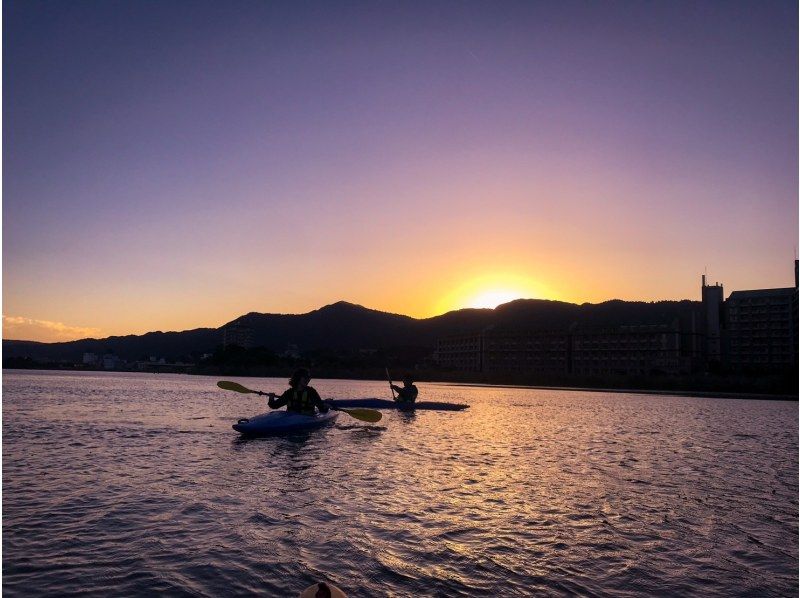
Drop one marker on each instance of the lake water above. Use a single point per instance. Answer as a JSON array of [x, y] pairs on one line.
[[132, 484]]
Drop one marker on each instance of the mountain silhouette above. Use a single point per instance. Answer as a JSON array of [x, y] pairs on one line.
[[346, 326]]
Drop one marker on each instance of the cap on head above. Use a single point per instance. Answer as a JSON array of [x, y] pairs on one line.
[[322, 590], [298, 375]]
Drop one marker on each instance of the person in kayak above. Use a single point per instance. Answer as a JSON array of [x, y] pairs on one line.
[[322, 590], [300, 398], [406, 394]]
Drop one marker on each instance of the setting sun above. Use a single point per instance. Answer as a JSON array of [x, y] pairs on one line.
[[493, 298], [491, 290]]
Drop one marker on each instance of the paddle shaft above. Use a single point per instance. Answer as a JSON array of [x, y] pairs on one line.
[[368, 415], [389, 378]]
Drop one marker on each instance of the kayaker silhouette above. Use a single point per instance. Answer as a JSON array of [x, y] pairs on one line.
[[407, 393], [300, 398]]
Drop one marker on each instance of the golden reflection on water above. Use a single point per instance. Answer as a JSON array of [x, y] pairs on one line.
[[527, 491]]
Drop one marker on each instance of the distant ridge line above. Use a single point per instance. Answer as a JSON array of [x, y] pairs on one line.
[[349, 326]]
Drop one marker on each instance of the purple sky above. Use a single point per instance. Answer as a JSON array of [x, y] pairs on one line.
[[169, 165]]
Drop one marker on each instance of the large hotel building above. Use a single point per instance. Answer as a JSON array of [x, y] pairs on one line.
[[752, 331]]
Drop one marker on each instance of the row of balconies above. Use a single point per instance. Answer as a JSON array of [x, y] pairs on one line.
[[458, 347], [734, 303], [490, 346], [761, 360], [756, 350], [762, 340]]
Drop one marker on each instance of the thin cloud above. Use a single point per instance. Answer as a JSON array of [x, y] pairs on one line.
[[20, 327]]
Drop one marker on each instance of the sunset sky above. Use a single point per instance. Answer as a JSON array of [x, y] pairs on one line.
[[171, 165]]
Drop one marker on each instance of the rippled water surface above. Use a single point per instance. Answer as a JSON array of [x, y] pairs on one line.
[[131, 484]]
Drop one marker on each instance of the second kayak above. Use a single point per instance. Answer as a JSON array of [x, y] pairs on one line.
[[283, 422], [389, 404]]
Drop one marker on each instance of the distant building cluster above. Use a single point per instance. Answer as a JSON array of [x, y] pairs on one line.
[[107, 361], [237, 334], [752, 331], [110, 361]]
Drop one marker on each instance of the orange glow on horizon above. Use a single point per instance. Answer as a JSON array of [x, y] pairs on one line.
[[489, 291], [492, 298]]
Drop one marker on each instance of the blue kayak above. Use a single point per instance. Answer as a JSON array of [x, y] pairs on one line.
[[389, 404], [283, 422]]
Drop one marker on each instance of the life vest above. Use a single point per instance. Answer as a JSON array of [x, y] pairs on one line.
[[300, 403], [407, 394]]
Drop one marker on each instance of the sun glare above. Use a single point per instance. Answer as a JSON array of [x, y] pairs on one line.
[[493, 298], [490, 290]]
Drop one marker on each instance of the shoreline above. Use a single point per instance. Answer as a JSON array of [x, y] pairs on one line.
[[700, 394]]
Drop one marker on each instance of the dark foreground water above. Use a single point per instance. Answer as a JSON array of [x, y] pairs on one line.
[[132, 484]]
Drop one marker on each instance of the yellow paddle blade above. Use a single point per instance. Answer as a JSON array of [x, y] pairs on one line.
[[365, 415], [228, 385]]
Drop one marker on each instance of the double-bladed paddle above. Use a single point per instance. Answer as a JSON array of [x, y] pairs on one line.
[[365, 415]]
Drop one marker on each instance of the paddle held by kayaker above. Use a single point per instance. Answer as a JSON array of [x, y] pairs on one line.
[[300, 398]]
